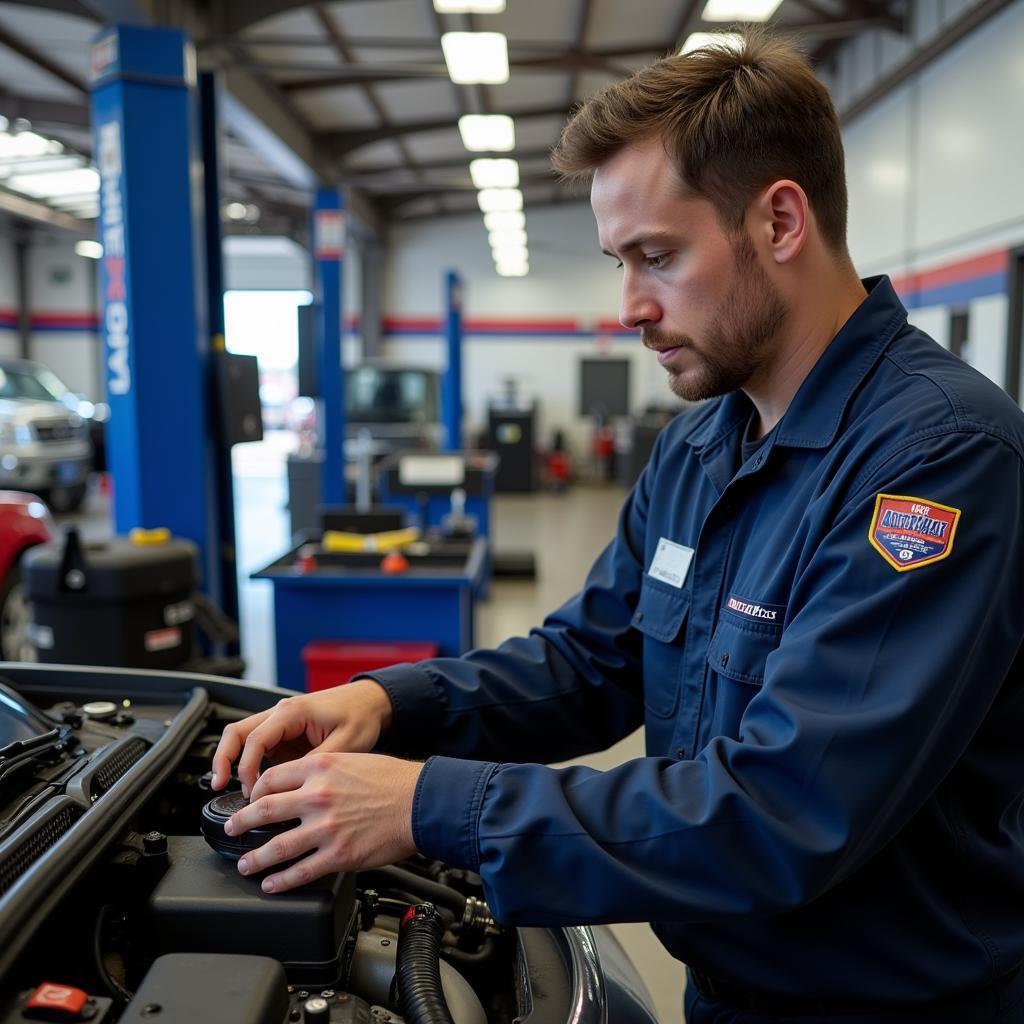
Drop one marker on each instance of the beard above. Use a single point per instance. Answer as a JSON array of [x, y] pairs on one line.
[[740, 336]]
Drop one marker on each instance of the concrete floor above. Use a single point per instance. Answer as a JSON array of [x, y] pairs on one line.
[[566, 532]]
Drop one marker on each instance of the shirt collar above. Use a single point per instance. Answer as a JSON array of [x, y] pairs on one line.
[[813, 417]]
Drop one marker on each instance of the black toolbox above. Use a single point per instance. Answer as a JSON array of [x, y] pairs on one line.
[[116, 602]]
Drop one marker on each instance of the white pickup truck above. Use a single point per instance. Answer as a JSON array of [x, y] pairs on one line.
[[44, 445]]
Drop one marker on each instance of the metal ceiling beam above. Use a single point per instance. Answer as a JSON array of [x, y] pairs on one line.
[[43, 214], [559, 61], [23, 49], [534, 46], [562, 199], [445, 164], [391, 204], [237, 15], [346, 53], [64, 6], [946, 39], [341, 143], [684, 25], [584, 9], [44, 112], [836, 28]]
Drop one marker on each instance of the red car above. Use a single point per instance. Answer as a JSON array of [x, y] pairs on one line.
[[24, 522]]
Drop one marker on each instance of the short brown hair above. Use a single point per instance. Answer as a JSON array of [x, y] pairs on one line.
[[734, 119]]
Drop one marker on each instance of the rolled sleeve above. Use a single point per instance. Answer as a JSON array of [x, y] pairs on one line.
[[446, 809], [417, 704]]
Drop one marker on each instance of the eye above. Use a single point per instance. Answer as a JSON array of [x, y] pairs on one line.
[[656, 262]]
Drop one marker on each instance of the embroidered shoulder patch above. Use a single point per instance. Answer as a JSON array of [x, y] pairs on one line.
[[911, 532]]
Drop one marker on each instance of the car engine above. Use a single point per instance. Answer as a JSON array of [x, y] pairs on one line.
[[117, 904]]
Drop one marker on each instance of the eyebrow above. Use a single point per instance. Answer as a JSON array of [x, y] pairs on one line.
[[639, 240]]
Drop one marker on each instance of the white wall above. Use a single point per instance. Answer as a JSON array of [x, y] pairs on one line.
[[934, 178], [62, 285]]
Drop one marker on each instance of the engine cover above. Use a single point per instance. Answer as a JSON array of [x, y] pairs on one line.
[[203, 905]]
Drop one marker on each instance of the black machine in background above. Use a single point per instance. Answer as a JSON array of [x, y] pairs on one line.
[[604, 388], [307, 349], [238, 387], [123, 603], [512, 432]]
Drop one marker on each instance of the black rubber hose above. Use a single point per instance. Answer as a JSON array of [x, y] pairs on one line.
[[399, 878], [468, 958], [418, 969]]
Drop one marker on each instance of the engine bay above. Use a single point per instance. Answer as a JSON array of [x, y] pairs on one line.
[[114, 905]]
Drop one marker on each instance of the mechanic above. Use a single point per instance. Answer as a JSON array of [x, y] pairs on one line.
[[812, 604]]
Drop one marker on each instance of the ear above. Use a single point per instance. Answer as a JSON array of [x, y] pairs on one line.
[[784, 220]]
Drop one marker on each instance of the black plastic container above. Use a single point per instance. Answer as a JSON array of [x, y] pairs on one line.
[[203, 905], [112, 603]]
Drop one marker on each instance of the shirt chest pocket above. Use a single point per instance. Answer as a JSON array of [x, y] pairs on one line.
[[738, 650], [661, 616]]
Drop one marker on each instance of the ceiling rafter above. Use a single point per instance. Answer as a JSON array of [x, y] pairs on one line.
[[347, 54], [558, 61], [30, 53], [584, 11], [444, 164], [341, 143]]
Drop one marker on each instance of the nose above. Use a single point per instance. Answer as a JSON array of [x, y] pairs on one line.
[[637, 308]]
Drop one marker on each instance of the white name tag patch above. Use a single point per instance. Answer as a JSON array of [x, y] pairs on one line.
[[671, 563]]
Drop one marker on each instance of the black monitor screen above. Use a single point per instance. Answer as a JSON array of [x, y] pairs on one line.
[[604, 387]]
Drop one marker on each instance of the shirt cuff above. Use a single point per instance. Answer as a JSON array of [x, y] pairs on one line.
[[446, 810], [417, 704]]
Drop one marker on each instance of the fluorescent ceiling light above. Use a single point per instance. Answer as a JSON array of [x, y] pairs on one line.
[[487, 133], [509, 254], [503, 220], [698, 40], [59, 183], [492, 199], [474, 57], [90, 249], [489, 173], [29, 165], [740, 10], [513, 270], [27, 144], [507, 237], [469, 6]]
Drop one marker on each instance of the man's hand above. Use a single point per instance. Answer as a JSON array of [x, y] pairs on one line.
[[345, 718], [355, 812]]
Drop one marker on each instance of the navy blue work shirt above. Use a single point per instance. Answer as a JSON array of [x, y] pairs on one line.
[[824, 655]]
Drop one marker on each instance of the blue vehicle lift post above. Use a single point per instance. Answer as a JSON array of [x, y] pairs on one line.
[[328, 236], [161, 449], [452, 386]]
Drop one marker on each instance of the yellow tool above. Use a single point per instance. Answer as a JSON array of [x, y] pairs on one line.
[[145, 538], [388, 540]]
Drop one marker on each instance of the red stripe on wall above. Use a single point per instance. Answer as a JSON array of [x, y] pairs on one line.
[[951, 273], [614, 327], [525, 326]]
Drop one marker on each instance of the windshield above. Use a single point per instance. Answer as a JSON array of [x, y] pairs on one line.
[[21, 382], [19, 720]]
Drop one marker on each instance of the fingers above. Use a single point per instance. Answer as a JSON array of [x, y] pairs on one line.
[[230, 746], [264, 811], [281, 778], [306, 870], [267, 735], [279, 850]]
